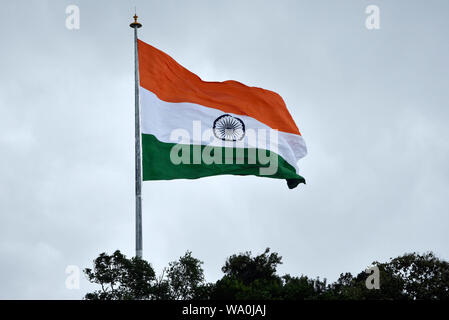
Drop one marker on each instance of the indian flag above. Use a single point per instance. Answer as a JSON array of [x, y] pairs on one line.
[[193, 128]]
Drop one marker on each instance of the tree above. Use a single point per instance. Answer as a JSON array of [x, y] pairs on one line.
[[301, 288], [185, 278], [420, 276], [248, 277], [248, 269], [408, 277], [121, 278]]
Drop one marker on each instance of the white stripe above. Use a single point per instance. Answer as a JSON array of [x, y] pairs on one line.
[[161, 118]]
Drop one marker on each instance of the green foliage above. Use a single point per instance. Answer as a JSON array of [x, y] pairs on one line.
[[248, 277], [299, 288], [121, 278], [185, 277], [420, 276], [248, 269], [408, 277]]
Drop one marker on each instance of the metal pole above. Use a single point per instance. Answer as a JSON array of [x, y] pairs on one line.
[[135, 25]]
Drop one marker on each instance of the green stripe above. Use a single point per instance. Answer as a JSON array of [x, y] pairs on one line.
[[158, 166]]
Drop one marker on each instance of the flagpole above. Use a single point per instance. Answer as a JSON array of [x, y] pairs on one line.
[[135, 25]]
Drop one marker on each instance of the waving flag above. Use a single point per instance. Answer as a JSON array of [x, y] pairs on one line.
[[193, 128]]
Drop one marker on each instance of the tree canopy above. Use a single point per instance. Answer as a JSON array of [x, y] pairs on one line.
[[408, 277]]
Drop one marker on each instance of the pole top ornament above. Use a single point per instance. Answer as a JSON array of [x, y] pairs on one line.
[[135, 24]]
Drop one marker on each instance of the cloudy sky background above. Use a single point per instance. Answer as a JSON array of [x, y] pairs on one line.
[[372, 107]]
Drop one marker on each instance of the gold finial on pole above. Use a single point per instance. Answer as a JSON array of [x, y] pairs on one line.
[[135, 24]]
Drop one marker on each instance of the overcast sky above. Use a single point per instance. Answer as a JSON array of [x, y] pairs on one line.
[[372, 106]]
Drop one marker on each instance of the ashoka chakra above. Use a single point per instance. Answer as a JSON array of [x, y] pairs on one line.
[[229, 128]]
